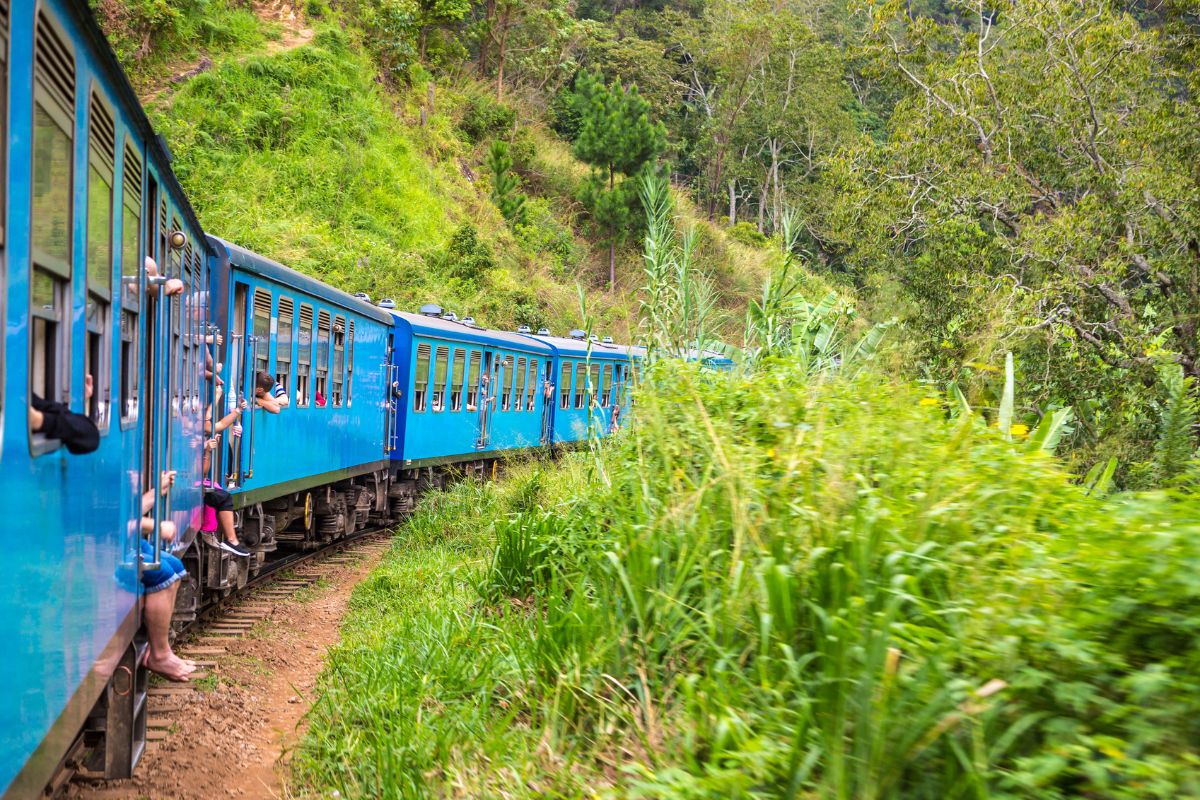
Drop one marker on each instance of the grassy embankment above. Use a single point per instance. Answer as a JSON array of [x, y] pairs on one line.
[[297, 149], [775, 586]]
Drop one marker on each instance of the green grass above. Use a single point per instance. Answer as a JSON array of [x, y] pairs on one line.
[[775, 586]]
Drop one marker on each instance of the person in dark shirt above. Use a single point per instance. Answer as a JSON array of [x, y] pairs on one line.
[[56, 421]]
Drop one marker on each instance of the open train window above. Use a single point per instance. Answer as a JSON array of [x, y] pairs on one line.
[[593, 383], [564, 386], [261, 331], [421, 377], [350, 364], [456, 379], [531, 395], [519, 397], [304, 355], [178, 357], [102, 153], [473, 381], [339, 359], [51, 211], [283, 345], [506, 397], [188, 328], [580, 383], [321, 390], [440, 371], [606, 386]]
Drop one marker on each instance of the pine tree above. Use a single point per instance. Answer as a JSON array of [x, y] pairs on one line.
[[505, 184], [617, 138]]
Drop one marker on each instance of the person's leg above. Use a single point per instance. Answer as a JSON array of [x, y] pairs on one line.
[[222, 501], [225, 520], [161, 586]]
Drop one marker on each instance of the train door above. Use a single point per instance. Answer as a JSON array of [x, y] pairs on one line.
[[391, 404], [547, 394], [237, 348], [156, 378], [487, 400]]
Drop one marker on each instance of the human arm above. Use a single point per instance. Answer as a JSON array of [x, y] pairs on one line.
[[268, 404]]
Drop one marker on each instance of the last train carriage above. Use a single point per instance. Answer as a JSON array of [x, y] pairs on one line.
[[379, 402]]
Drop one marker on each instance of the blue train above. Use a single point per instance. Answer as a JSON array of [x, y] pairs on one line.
[[117, 305]]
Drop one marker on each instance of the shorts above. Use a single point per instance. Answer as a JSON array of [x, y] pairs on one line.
[[170, 570], [215, 499]]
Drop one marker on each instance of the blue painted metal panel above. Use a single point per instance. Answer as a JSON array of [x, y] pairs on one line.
[[71, 536]]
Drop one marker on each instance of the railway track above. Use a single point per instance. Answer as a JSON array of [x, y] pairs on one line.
[[207, 639]]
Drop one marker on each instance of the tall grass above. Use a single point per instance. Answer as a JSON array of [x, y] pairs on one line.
[[789, 585]]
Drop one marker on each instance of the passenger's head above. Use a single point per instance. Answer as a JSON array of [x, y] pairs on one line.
[[262, 383]]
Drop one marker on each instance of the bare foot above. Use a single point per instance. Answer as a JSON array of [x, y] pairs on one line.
[[169, 667]]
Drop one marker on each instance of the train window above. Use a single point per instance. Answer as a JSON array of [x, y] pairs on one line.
[[420, 377], [131, 299], [606, 386], [440, 370], [177, 355], [304, 355], [350, 364], [580, 383], [261, 330], [51, 210], [321, 390], [473, 381], [129, 366], [102, 150], [564, 386], [283, 345], [506, 397], [519, 397], [339, 359], [593, 383], [187, 350], [456, 379], [531, 394]]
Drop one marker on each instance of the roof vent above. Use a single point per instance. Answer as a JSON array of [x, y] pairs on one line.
[[450, 315], [387, 302], [606, 340], [593, 338], [468, 321], [524, 329], [543, 332], [366, 298], [578, 334], [430, 310]]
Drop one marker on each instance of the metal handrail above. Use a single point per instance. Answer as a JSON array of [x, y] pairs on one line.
[[233, 477], [251, 381], [155, 430], [214, 459]]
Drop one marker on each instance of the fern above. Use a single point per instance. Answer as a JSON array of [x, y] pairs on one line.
[[1176, 438]]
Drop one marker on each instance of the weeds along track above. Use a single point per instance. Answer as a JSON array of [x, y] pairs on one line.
[[241, 617]]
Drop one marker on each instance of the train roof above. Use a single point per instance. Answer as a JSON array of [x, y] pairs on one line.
[[580, 348], [156, 145], [458, 331], [250, 261]]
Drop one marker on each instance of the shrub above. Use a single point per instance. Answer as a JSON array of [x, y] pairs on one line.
[[748, 234], [468, 258], [483, 117]]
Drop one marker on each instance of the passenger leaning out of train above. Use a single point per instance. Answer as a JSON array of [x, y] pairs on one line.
[[160, 587], [218, 503], [264, 397], [55, 421], [173, 286]]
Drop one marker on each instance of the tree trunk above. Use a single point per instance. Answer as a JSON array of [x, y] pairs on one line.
[[485, 41], [504, 21], [732, 203], [612, 265]]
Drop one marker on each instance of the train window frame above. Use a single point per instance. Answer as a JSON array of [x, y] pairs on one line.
[[349, 362], [566, 370], [187, 348], [593, 382], [606, 385], [101, 169], [474, 373], [321, 368], [177, 355], [531, 390], [337, 368], [261, 303], [519, 387], [441, 376], [304, 356], [421, 376], [283, 347], [580, 383], [55, 102], [458, 371], [506, 383]]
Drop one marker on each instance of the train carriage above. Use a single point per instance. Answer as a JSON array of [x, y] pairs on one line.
[[89, 194], [466, 393], [590, 378]]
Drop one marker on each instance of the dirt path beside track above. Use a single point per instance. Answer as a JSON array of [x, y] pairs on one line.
[[229, 733]]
